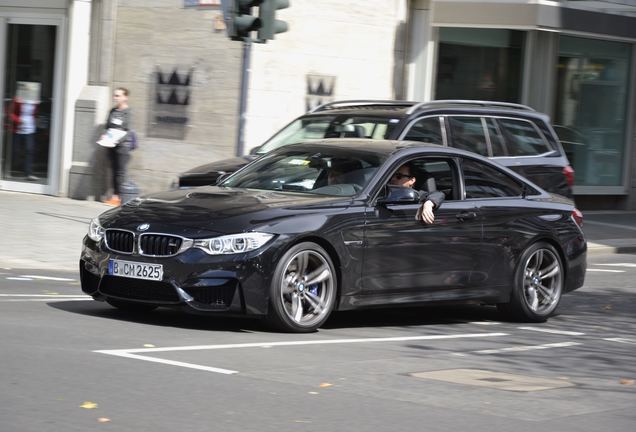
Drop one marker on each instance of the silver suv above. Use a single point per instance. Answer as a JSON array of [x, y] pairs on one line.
[[514, 135]]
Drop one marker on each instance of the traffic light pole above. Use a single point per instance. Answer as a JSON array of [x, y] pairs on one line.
[[245, 80]]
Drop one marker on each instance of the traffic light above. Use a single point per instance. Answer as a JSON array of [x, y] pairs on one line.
[[269, 25], [239, 19]]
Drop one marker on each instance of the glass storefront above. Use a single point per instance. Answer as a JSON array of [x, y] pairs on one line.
[[483, 64], [591, 107], [28, 95]]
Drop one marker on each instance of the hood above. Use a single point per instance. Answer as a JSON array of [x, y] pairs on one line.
[[212, 210], [221, 166]]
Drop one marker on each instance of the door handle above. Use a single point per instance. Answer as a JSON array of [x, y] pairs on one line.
[[466, 215]]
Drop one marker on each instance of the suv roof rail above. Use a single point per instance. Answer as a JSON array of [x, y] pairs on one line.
[[469, 102], [344, 103]]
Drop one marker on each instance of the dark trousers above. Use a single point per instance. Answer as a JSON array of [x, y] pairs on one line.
[[25, 144], [119, 157]]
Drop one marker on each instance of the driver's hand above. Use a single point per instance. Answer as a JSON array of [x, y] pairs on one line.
[[427, 212]]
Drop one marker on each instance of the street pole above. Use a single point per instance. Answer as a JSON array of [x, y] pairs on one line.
[[245, 79]]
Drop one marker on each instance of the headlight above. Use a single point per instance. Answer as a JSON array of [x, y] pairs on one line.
[[95, 230], [233, 244]]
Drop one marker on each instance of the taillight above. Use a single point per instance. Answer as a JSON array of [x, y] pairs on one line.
[[568, 172], [578, 217]]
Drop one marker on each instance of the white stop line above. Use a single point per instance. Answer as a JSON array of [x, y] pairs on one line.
[[135, 353]]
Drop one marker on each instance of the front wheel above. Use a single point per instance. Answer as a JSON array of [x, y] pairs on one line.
[[303, 290], [538, 284]]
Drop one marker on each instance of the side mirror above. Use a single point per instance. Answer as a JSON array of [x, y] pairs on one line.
[[399, 195], [254, 151], [220, 179]]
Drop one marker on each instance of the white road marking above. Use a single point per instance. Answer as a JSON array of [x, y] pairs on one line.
[[18, 278], [620, 265], [51, 278], [611, 225], [133, 353], [485, 323], [527, 348], [546, 330], [605, 270], [621, 340], [45, 295], [7, 298], [45, 300]]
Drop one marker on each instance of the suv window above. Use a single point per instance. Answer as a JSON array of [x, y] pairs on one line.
[[522, 138], [336, 126], [468, 133], [427, 130], [496, 140], [483, 181]]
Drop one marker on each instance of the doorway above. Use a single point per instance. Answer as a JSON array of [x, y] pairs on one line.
[[28, 88]]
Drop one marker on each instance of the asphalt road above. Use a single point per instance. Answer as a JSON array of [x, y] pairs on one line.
[[73, 364]]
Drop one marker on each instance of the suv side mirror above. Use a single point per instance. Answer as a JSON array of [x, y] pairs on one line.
[[220, 179], [399, 195]]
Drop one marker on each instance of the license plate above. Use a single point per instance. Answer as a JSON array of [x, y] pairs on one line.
[[136, 270]]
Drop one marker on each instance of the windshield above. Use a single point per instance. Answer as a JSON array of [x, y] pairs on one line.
[[324, 171], [330, 126]]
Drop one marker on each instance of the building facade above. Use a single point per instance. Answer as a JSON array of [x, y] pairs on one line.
[[196, 96]]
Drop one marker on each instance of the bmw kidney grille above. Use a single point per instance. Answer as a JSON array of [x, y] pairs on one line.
[[148, 244]]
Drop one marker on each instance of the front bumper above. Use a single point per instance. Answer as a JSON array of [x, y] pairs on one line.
[[194, 281]]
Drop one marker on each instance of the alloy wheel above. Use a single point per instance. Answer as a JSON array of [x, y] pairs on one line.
[[542, 281], [307, 288]]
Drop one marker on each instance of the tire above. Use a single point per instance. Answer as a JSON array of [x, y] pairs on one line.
[[537, 286], [303, 290], [130, 306]]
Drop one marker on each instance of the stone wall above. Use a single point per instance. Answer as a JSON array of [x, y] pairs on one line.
[[199, 87], [356, 45]]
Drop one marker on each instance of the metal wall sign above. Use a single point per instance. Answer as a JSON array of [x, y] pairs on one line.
[[320, 90], [170, 102]]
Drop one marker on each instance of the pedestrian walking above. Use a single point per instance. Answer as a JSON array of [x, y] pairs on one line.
[[116, 139]]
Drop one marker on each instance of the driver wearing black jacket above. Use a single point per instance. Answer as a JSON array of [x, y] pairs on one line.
[[429, 200]]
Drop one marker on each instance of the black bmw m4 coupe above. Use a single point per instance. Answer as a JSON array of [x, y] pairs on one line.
[[286, 239]]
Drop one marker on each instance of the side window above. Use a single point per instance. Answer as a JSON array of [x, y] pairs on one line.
[[496, 140], [426, 130], [484, 181], [467, 133], [522, 138], [433, 174]]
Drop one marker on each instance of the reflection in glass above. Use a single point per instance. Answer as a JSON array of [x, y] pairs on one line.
[[29, 64], [590, 112], [483, 64]]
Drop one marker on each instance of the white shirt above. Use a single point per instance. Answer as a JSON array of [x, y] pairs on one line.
[[27, 119]]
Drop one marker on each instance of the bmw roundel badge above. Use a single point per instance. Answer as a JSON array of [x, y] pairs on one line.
[[143, 227]]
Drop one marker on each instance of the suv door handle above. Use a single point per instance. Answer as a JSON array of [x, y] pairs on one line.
[[466, 215]]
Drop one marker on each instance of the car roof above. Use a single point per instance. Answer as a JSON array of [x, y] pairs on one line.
[[396, 108], [378, 146]]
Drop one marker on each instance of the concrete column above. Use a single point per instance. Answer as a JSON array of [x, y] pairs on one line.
[[88, 174], [539, 72], [630, 151], [76, 76], [422, 50]]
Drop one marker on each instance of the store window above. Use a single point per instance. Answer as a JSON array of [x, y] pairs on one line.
[[481, 64], [591, 107]]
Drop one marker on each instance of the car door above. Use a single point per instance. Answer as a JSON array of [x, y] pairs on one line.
[[407, 260], [507, 221]]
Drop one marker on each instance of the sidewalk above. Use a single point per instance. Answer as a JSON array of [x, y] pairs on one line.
[[44, 232]]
